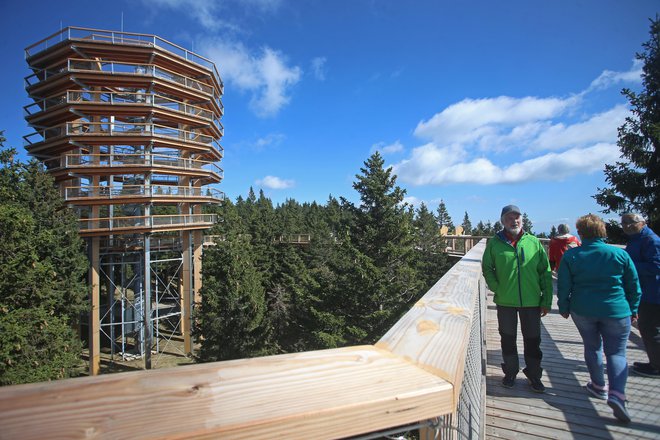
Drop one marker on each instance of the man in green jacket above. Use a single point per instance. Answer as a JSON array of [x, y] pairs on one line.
[[517, 270]]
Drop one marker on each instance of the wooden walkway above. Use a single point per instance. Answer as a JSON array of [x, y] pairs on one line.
[[565, 411]]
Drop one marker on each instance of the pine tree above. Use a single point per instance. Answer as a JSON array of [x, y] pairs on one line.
[[288, 282], [527, 223], [288, 300], [430, 258], [553, 231], [42, 267], [230, 321], [488, 229], [635, 181], [480, 229], [377, 270], [444, 218], [467, 225]]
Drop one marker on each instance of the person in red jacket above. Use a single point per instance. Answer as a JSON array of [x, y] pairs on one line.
[[559, 244]]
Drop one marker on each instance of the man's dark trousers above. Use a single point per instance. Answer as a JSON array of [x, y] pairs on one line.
[[649, 328], [530, 325]]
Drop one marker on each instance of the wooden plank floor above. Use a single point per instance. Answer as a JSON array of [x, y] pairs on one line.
[[565, 411]]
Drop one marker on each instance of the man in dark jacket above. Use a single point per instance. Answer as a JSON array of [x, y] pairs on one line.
[[516, 269], [644, 249]]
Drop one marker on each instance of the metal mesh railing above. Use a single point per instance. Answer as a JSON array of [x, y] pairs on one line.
[[468, 422], [471, 412]]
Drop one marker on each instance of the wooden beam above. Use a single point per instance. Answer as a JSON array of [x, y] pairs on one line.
[[313, 395], [94, 310], [95, 292], [197, 247], [186, 299], [434, 334]]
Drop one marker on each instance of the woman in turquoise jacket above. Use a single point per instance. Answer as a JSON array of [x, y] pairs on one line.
[[598, 287]]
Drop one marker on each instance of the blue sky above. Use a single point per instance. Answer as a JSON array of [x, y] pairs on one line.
[[478, 103]]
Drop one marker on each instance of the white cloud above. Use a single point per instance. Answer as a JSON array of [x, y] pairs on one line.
[[601, 127], [210, 14], [611, 78], [318, 68], [510, 140], [413, 201], [472, 119], [265, 74], [270, 140], [384, 148], [558, 166], [205, 12], [431, 165], [274, 182], [261, 5]]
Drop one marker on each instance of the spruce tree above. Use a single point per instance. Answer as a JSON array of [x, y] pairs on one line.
[[377, 273], [288, 299], [230, 321], [527, 223], [42, 267], [635, 180], [430, 258], [488, 228], [467, 224], [444, 219]]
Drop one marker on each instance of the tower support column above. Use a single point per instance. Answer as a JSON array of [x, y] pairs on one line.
[[94, 314], [186, 297]]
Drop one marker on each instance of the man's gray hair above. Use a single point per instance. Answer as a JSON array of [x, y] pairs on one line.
[[631, 217]]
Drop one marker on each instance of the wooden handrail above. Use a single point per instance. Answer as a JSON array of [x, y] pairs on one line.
[[149, 191], [104, 98], [434, 333], [413, 373], [467, 241]]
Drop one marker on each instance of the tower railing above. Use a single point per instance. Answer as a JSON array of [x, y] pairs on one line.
[[73, 193], [133, 159], [81, 33], [427, 371], [151, 222], [119, 129], [125, 97], [114, 67]]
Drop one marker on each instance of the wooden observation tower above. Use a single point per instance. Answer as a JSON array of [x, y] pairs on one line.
[[129, 126]]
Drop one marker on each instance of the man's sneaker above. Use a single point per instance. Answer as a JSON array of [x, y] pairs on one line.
[[508, 381], [618, 408], [598, 394], [641, 364], [646, 370], [535, 383]]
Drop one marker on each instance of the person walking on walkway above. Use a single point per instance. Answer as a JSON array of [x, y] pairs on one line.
[[644, 249], [559, 244], [598, 288], [516, 269]]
